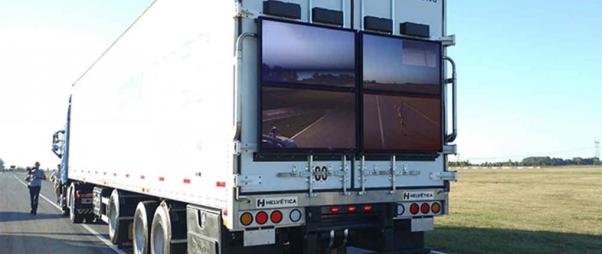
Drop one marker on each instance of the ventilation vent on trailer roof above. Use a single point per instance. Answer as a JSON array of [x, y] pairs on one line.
[[282, 9], [378, 24], [327, 16], [414, 29]]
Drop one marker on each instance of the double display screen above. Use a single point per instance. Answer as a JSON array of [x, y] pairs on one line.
[[310, 99]]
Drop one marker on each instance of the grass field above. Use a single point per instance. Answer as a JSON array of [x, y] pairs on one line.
[[550, 210]]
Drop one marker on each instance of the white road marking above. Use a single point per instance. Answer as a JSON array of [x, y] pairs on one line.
[[421, 114], [308, 127], [92, 231], [380, 122]]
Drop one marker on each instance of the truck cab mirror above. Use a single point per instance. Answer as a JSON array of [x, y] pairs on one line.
[[58, 142]]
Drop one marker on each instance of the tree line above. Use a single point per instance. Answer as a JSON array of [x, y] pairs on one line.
[[531, 162]]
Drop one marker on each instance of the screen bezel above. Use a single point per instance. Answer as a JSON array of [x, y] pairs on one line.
[[362, 91], [300, 86]]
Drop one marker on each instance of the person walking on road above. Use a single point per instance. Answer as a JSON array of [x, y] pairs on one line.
[[34, 183], [56, 179]]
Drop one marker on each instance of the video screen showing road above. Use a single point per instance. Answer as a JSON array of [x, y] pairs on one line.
[[308, 55], [401, 65], [401, 123], [402, 95], [307, 119]]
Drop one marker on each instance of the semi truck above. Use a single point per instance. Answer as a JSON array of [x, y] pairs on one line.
[[251, 126]]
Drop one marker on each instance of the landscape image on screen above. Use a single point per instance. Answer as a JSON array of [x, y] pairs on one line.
[[307, 119], [308, 55], [402, 123], [402, 65]]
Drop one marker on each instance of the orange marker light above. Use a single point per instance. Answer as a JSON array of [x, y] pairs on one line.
[[436, 207], [246, 219]]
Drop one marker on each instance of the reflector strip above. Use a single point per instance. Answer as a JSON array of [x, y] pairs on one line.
[[220, 184], [161, 178], [186, 181]]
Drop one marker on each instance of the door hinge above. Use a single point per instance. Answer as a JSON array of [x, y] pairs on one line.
[[240, 12]]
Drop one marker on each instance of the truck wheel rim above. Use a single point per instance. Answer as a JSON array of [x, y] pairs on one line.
[[72, 208], [158, 240], [112, 219], [139, 238]]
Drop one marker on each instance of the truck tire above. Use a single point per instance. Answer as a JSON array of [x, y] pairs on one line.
[[143, 219], [74, 216], [118, 231], [164, 228]]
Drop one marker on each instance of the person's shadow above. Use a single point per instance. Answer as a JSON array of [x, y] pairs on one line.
[[23, 216]]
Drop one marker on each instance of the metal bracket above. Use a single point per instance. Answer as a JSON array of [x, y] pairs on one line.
[[362, 172], [240, 12], [309, 174], [448, 41], [344, 175], [445, 176], [244, 180], [392, 173], [310, 178], [237, 148], [450, 149]]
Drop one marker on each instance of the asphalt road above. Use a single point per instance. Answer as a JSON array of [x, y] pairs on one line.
[[335, 128], [392, 123], [48, 231]]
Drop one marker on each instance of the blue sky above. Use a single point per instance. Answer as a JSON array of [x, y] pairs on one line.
[[394, 61], [529, 72], [310, 47]]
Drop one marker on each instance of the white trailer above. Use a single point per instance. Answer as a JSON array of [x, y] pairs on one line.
[[192, 132]]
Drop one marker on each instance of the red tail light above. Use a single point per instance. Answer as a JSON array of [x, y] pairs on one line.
[[425, 208], [351, 209], [261, 218], [367, 208], [414, 208], [276, 216], [334, 210]]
